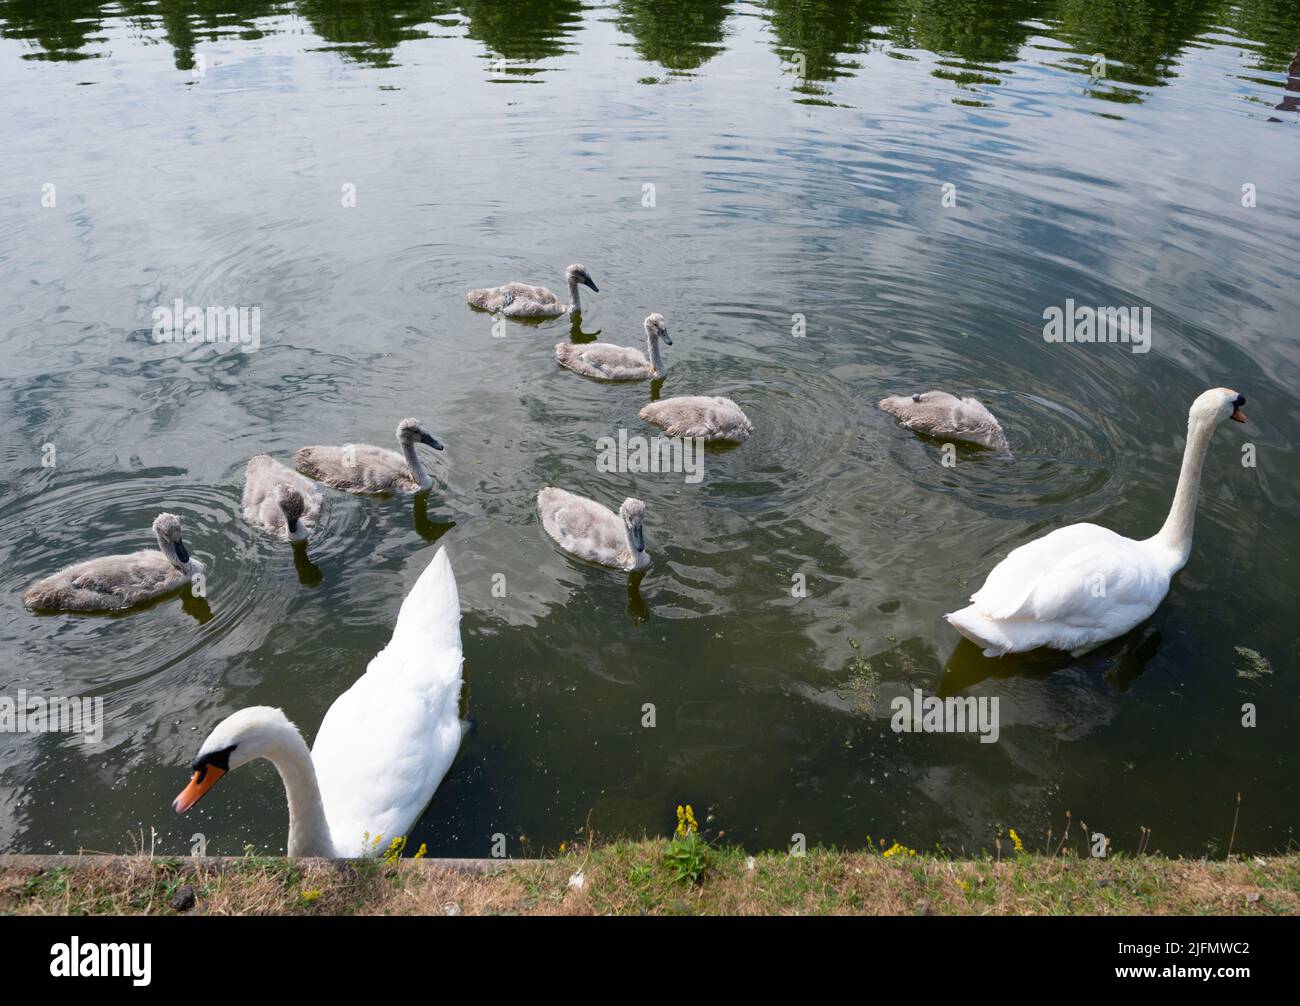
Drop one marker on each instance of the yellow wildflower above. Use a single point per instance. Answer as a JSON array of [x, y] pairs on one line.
[[394, 851]]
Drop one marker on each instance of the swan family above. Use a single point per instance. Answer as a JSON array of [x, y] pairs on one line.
[[386, 743]]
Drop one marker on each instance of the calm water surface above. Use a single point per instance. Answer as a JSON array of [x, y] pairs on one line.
[[201, 150]]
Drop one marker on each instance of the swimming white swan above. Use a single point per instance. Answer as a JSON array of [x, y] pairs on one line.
[[113, 582], [948, 417], [279, 500], [699, 416], [383, 747], [1079, 586], [361, 468], [590, 531], [608, 362], [519, 300]]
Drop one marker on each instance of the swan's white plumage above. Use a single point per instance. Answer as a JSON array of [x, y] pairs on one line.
[[383, 747], [386, 743], [1071, 589], [1082, 585]]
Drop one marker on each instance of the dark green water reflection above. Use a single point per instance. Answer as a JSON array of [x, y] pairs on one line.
[[203, 150]]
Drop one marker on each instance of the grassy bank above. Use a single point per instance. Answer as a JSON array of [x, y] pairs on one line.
[[629, 878]]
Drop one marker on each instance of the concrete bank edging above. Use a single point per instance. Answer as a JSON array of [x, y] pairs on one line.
[[15, 861]]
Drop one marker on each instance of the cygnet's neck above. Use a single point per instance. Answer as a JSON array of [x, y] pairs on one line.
[[656, 354], [413, 462]]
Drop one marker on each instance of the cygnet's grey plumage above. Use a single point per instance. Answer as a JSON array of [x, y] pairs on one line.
[[362, 468], [279, 500], [707, 417], [520, 300], [115, 582], [948, 417], [607, 362], [593, 532]]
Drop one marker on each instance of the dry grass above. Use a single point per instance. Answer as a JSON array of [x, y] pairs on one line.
[[632, 878]]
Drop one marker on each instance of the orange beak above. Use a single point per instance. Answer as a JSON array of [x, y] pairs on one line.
[[202, 781], [1238, 415]]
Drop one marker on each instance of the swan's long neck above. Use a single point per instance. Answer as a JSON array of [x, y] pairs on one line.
[[413, 463], [309, 832], [652, 345], [575, 298], [1176, 535]]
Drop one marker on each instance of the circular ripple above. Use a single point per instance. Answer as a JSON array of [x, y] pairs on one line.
[[72, 521], [1058, 456]]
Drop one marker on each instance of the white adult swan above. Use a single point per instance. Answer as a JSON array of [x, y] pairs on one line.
[[361, 468], [114, 582], [519, 300], [939, 414], [1082, 585], [383, 747], [709, 418], [607, 362], [279, 500], [593, 532]]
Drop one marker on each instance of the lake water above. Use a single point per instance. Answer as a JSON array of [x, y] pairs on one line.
[[941, 174]]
